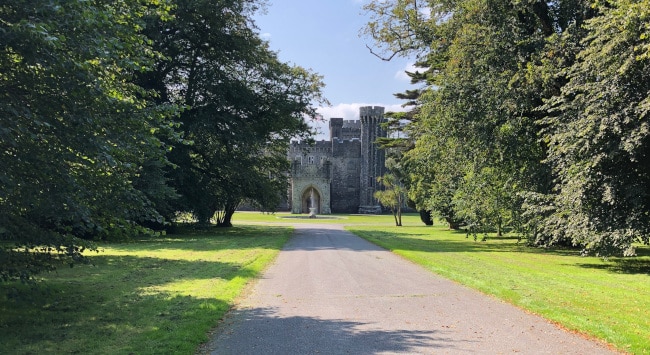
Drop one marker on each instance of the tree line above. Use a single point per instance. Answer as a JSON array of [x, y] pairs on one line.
[[527, 115], [116, 115]]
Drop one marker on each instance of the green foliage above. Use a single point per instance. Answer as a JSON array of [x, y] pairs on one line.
[[479, 120], [75, 131], [391, 195], [426, 217], [88, 145], [431, 187], [483, 201], [599, 136], [242, 106], [499, 76], [400, 27]]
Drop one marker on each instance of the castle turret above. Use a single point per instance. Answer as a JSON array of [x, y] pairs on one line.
[[372, 158], [336, 124]]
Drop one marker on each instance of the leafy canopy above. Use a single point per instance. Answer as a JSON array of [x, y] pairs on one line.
[[76, 131], [533, 116]]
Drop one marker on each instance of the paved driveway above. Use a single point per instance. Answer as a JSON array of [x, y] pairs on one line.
[[330, 292]]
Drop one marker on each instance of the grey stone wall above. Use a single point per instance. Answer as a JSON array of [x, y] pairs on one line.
[[344, 129], [372, 159], [302, 188], [310, 169], [351, 130], [336, 124], [346, 160]]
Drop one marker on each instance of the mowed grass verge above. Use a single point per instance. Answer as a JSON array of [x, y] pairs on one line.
[[245, 217], [605, 299], [151, 296]]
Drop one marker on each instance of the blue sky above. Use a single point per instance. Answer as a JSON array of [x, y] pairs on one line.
[[323, 35]]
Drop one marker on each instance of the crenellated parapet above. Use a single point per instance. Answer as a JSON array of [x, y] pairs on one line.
[[367, 112]]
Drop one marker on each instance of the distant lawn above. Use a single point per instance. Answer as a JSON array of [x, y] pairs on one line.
[[347, 219], [152, 296], [606, 299]]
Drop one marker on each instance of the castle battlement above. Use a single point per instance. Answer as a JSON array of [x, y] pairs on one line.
[[305, 147], [341, 140], [308, 144], [344, 129], [377, 111]]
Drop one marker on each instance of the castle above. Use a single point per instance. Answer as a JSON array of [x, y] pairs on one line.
[[339, 175]]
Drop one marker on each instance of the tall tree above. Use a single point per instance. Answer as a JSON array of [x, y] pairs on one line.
[[599, 137], [242, 105], [491, 66], [75, 131]]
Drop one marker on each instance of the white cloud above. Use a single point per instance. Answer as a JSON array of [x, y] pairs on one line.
[[265, 36], [401, 74], [345, 111]]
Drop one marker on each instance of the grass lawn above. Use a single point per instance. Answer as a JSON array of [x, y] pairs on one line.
[[152, 296], [163, 295], [606, 299], [347, 219]]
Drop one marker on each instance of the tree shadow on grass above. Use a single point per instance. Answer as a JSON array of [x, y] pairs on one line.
[[413, 242], [262, 331], [212, 238], [121, 309], [460, 242], [631, 265], [639, 264], [237, 230]]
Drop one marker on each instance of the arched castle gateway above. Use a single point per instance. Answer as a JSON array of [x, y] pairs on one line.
[[342, 172]]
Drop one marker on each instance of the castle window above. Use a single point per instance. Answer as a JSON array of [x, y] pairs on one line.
[[322, 160], [311, 159], [299, 158]]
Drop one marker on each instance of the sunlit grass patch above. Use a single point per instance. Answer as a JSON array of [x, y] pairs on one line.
[[347, 219], [156, 295]]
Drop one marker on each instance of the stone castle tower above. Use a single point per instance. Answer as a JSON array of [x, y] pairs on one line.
[[372, 158], [339, 175]]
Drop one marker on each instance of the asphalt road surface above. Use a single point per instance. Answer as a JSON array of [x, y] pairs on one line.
[[330, 292]]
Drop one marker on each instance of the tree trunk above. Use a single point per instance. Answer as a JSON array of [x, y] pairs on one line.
[[203, 215], [425, 217], [228, 212], [394, 212], [399, 216], [226, 222], [455, 225]]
